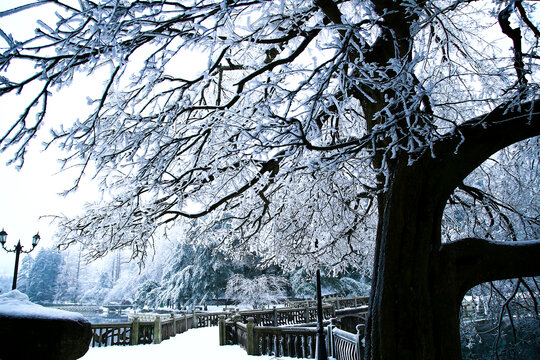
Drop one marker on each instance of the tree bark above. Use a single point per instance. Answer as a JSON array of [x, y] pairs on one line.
[[419, 284], [475, 261], [410, 312]]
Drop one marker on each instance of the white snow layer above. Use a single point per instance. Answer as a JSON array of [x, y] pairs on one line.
[[15, 303], [202, 343], [194, 344]]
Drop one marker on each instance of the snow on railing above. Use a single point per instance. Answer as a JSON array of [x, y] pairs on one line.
[[257, 338], [337, 302], [154, 328], [148, 328], [290, 341]]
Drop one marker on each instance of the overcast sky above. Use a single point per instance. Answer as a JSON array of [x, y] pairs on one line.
[[28, 195], [32, 192]]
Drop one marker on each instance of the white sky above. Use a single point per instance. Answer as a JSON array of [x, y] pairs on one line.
[[32, 192], [28, 194]]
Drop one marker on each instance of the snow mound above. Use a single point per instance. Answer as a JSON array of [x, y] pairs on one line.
[[16, 304]]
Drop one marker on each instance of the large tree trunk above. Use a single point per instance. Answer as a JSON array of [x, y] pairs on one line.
[[418, 282], [414, 310]]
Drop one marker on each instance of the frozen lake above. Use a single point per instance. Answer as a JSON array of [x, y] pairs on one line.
[[105, 318]]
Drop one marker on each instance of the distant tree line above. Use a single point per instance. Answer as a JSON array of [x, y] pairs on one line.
[[198, 274], [191, 275]]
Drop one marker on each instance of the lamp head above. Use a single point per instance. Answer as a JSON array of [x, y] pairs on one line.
[[3, 236], [35, 239]]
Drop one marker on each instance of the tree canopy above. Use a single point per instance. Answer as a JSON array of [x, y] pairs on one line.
[[320, 131], [282, 103]]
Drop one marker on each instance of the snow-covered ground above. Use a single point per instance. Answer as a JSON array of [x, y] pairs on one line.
[[194, 344]]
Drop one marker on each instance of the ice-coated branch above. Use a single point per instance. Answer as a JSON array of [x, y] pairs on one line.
[[476, 260], [476, 140], [515, 35]]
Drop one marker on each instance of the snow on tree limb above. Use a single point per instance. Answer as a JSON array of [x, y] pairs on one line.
[[325, 92]]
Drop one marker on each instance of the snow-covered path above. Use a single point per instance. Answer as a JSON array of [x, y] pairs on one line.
[[194, 344]]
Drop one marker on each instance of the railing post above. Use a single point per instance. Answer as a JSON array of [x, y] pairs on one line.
[[250, 337], [194, 318], [185, 321], [359, 344], [135, 331], [221, 324], [337, 303], [275, 317], [331, 337], [173, 325], [157, 330], [306, 314], [229, 331]]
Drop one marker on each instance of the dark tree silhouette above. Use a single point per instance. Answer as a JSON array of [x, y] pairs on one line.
[[351, 125]]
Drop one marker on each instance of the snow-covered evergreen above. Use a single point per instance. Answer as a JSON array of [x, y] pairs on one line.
[[43, 277], [181, 274]]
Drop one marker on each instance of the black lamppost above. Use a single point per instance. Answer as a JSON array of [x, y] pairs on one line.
[[18, 249], [320, 351], [321, 343]]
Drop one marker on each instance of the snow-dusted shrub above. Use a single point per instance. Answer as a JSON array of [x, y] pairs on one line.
[[257, 292]]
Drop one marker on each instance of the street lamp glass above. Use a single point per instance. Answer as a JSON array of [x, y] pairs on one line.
[[3, 236], [35, 239]]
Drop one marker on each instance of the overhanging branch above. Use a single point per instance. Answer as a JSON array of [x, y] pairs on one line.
[[476, 260], [474, 141]]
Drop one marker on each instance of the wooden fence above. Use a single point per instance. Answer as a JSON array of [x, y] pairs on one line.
[[343, 345], [337, 302], [269, 340], [111, 334], [150, 332], [163, 327], [291, 341], [285, 316]]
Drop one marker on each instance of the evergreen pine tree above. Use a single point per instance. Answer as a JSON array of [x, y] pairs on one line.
[[23, 280], [43, 276]]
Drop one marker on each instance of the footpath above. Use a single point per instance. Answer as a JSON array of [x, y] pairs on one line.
[[201, 343]]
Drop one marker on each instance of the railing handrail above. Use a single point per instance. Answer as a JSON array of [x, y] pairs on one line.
[[112, 325], [291, 341], [171, 324], [242, 326], [345, 335], [304, 330]]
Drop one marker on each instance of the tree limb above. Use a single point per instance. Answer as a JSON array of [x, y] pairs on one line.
[[515, 36], [476, 260], [526, 19], [474, 141]]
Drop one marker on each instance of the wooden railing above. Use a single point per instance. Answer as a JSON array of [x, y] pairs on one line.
[[265, 323], [343, 345], [291, 341], [286, 341], [150, 332], [269, 340], [337, 302], [286, 316], [111, 334]]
